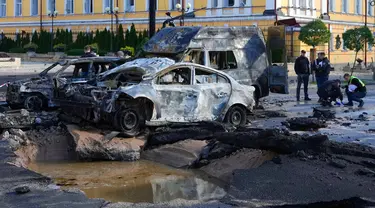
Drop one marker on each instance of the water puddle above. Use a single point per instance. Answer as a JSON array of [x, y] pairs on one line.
[[141, 181]]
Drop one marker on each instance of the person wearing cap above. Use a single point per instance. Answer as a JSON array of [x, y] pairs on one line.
[[302, 69], [355, 90], [329, 92], [322, 68]]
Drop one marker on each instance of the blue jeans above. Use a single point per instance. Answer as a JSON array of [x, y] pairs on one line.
[[355, 96], [321, 80]]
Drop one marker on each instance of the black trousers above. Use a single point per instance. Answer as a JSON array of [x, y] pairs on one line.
[[303, 78]]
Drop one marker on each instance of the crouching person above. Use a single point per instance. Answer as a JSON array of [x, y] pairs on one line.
[[329, 92], [355, 90]]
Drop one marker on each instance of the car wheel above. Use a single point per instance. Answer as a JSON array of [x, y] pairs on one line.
[[34, 102], [130, 121], [236, 116]]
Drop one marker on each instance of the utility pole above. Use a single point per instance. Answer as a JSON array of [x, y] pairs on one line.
[[152, 17], [276, 19], [329, 26]]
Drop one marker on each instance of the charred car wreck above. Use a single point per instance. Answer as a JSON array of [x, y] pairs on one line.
[[155, 91], [240, 52], [36, 93]]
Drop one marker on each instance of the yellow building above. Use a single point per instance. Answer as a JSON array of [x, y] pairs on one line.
[[87, 15]]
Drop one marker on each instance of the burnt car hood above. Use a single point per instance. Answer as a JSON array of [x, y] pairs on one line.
[[145, 66]]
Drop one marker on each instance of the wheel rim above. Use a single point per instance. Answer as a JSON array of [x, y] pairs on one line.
[[236, 118], [129, 120], [34, 103]]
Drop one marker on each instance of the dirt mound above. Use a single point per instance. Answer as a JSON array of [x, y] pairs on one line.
[[92, 144]]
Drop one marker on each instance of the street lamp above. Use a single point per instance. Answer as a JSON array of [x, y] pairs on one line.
[[52, 15], [112, 11], [183, 9]]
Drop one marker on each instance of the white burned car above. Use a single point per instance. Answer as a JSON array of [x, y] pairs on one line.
[[155, 91]]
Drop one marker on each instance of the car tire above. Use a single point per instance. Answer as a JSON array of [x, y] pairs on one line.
[[34, 102], [130, 121], [236, 116]]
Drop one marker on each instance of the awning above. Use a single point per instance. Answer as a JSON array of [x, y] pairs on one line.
[[289, 22]]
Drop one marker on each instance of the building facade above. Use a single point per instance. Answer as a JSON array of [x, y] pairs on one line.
[[89, 15]]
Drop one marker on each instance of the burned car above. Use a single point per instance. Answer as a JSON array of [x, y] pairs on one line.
[[240, 52], [36, 93], [156, 91]]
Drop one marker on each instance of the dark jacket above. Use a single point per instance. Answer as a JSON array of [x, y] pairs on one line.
[[86, 55], [302, 65], [357, 82], [321, 67], [330, 89]]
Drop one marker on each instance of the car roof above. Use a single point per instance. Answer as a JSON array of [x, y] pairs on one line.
[[96, 59]]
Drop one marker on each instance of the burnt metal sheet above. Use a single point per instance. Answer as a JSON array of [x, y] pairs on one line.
[[145, 65], [171, 40]]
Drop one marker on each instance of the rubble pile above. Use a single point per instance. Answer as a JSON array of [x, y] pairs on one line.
[[304, 124], [25, 119]]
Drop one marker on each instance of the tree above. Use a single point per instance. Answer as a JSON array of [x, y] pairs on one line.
[[314, 33], [355, 39]]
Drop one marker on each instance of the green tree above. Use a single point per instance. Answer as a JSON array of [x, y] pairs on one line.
[[35, 38], [355, 39], [120, 37], [314, 33]]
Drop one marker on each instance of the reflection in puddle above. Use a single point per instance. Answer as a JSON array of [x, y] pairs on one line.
[[140, 181]]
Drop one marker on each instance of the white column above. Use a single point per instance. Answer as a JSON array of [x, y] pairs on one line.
[[290, 9], [249, 3], [209, 5], [192, 4], [220, 6], [324, 6], [236, 5], [298, 11]]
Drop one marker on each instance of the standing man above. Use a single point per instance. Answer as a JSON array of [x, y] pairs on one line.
[[322, 68], [88, 52], [302, 69], [355, 90]]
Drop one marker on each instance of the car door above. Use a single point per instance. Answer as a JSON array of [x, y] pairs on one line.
[[214, 93], [176, 95]]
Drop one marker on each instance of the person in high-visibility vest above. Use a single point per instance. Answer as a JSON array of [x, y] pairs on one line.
[[355, 90]]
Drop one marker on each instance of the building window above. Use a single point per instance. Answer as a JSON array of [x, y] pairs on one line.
[[173, 4], [147, 5], [34, 7], [369, 46], [228, 3], [88, 6], [358, 6], [18, 8], [302, 4], [344, 6], [370, 9], [107, 4], [51, 5], [129, 6], [215, 3], [332, 5], [69, 6], [243, 3], [3, 8]]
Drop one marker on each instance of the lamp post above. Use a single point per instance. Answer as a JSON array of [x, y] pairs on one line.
[[52, 15], [183, 9], [111, 11]]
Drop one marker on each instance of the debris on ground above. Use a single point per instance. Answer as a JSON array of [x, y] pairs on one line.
[[25, 119], [304, 124], [323, 113], [22, 190]]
